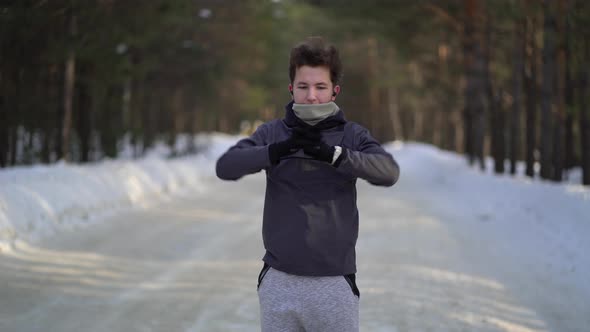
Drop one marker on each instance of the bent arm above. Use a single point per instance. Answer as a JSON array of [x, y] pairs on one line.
[[370, 162], [248, 156]]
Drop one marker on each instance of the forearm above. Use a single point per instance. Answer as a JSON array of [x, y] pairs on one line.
[[240, 161], [377, 168]]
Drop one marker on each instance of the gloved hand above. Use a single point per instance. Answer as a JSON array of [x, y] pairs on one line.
[[320, 150], [299, 139]]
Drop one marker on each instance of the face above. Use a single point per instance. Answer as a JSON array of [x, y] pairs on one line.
[[312, 85]]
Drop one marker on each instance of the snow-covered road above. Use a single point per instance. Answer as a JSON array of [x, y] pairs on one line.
[[190, 264]]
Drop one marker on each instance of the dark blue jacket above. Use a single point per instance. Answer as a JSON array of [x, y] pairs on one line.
[[310, 223]]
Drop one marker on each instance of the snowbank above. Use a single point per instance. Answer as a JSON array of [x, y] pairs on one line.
[[40, 200], [537, 221]]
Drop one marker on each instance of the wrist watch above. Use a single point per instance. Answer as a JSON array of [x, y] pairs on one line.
[[337, 152]]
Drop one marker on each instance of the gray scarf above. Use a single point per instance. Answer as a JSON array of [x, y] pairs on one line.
[[312, 114]]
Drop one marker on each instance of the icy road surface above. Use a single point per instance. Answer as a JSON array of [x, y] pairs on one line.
[[190, 264]]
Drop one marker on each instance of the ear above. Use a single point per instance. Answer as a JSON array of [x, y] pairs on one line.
[[335, 92], [291, 89]]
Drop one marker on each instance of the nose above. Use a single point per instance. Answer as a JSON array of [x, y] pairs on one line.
[[312, 96]]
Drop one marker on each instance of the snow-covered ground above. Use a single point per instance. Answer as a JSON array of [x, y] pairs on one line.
[[539, 220], [541, 227], [39, 201]]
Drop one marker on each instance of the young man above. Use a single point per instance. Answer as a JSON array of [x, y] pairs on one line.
[[312, 158]]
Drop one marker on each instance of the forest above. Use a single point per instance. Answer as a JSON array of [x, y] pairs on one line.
[[506, 79]]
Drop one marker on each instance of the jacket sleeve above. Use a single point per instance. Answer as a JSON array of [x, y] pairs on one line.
[[248, 156], [369, 161]]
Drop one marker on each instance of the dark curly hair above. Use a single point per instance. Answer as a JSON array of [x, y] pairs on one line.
[[314, 52]]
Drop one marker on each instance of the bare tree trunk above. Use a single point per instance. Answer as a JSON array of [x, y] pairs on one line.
[[15, 120], [418, 125], [29, 148], [393, 106], [3, 126], [84, 118], [177, 107], [570, 159], [126, 103], [448, 130], [467, 135], [191, 124], [584, 77], [531, 99], [13, 141], [475, 87], [391, 92], [49, 127], [517, 74], [70, 76], [498, 139], [222, 117], [437, 126], [549, 33], [374, 104], [457, 133], [384, 130], [137, 109], [494, 106], [559, 127], [110, 121], [199, 117], [147, 120]]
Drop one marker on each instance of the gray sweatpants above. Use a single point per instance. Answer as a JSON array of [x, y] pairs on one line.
[[314, 304]]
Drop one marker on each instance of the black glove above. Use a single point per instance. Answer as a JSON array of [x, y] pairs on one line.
[[321, 152], [300, 138], [318, 150]]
